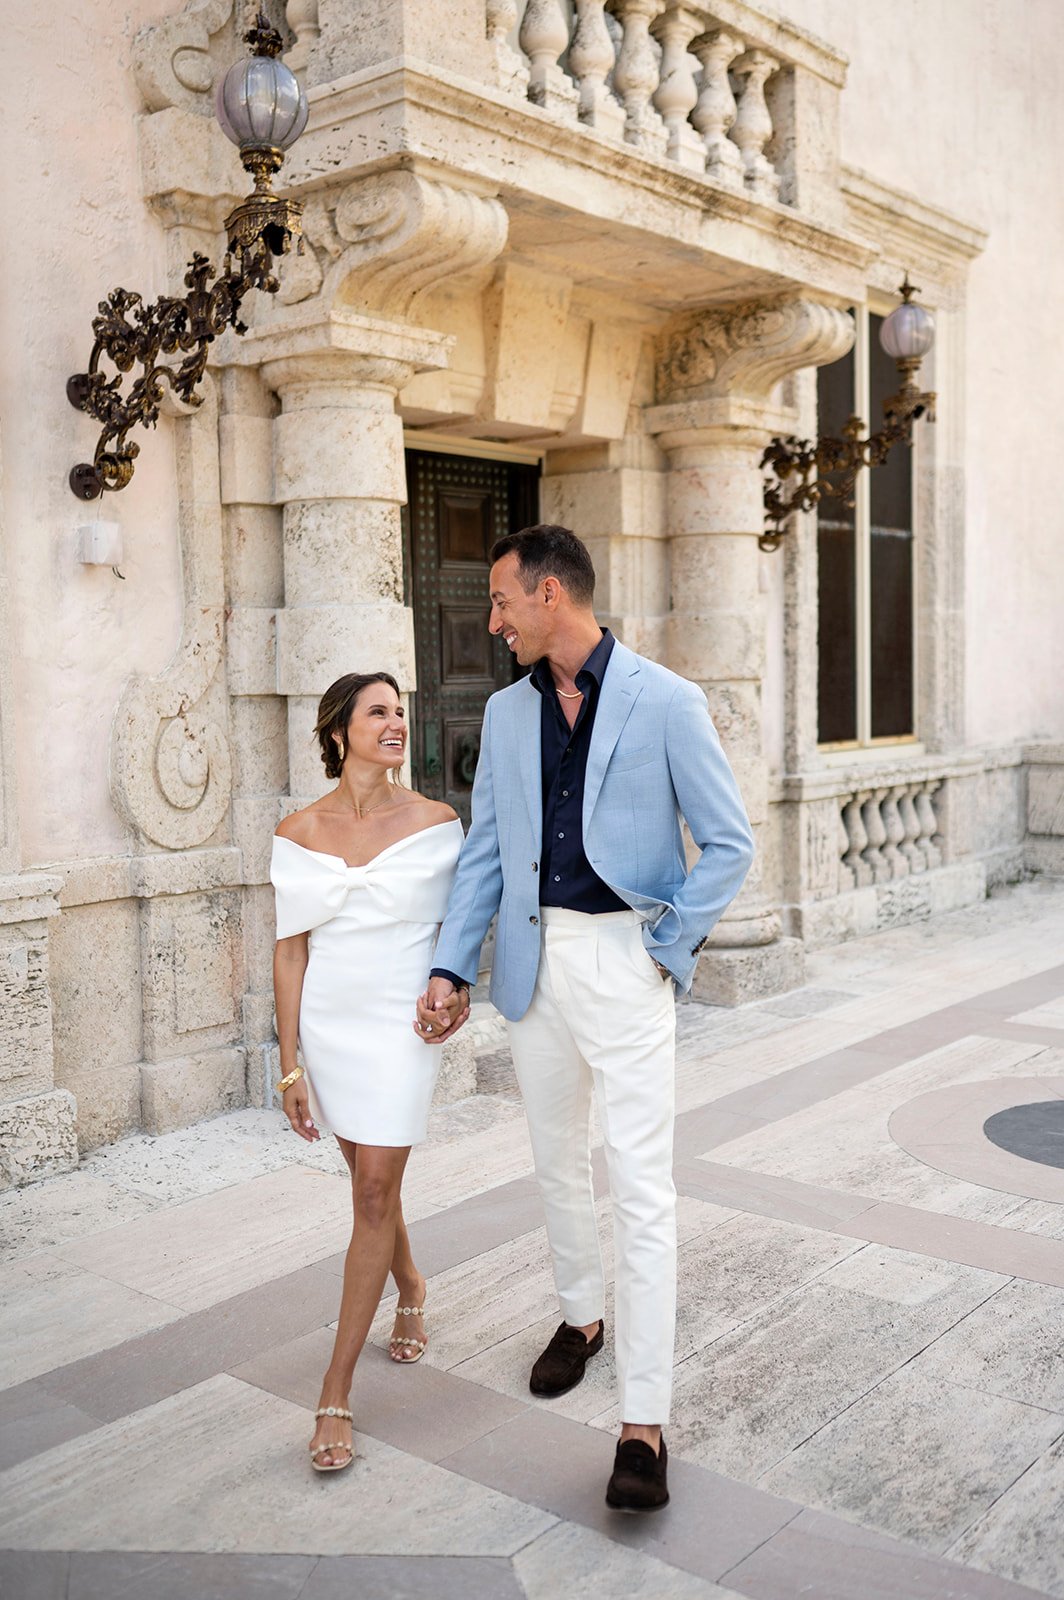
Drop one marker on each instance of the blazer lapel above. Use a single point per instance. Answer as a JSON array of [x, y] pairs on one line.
[[621, 688], [527, 733]]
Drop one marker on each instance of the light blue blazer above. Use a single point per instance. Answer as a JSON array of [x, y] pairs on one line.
[[654, 758]]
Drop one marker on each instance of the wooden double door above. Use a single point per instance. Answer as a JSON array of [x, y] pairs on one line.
[[457, 507]]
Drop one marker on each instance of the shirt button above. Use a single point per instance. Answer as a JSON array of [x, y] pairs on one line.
[[568, 749], [556, 878], [565, 794], [561, 836]]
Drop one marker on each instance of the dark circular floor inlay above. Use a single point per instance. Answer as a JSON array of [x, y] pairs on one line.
[[1035, 1132]]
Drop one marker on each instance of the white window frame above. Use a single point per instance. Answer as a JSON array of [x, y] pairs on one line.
[[864, 745]]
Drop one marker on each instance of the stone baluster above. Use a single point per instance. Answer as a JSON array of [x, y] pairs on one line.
[[591, 60], [715, 112], [544, 37], [510, 71], [853, 822], [752, 128], [892, 824], [302, 18], [911, 830], [845, 878], [877, 837], [677, 94], [635, 77], [928, 840]]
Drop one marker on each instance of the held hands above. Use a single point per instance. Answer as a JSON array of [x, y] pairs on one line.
[[441, 1011], [296, 1106]]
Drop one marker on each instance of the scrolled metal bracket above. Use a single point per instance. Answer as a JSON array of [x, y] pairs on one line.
[[133, 338]]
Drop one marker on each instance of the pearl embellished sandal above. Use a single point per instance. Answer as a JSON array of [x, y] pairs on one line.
[[395, 1343], [332, 1466]]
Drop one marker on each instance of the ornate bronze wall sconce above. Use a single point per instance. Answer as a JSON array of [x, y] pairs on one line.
[[828, 467], [262, 108]]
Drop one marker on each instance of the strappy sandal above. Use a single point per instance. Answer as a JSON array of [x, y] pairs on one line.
[[333, 1466], [396, 1343]]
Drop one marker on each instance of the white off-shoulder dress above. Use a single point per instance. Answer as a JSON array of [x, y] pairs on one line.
[[372, 933]]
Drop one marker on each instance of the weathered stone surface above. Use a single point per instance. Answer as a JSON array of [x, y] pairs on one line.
[[97, 1011], [177, 1093], [733, 977], [458, 1070], [108, 1100], [37, 1137], [25, 1009]]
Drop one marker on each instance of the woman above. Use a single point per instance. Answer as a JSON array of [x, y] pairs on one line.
[[362, 878]]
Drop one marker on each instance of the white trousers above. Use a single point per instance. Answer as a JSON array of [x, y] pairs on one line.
[[601, 1015]]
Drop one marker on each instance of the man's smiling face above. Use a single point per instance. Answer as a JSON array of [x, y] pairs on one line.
[[523, 620]]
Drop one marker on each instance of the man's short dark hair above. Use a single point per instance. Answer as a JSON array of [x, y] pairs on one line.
[[547, 551]]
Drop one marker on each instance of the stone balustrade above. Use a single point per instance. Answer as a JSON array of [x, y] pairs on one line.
[[664, 76], [888, 833]]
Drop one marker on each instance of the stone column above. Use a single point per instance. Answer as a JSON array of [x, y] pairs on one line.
[[717, 372]]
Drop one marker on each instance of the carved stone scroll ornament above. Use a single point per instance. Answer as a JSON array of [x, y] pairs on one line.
[[172, 58], [748, 349], [171, 773], [386, 239]]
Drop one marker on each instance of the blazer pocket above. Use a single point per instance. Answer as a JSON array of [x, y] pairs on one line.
[[632, 764]]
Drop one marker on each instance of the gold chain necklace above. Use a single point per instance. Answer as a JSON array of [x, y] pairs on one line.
[[568, 695], [360, 813]]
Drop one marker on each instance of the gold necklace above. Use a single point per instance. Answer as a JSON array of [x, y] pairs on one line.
[[360, 813], [566, 695]]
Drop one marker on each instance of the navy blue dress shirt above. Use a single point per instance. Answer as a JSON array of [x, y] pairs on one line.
[[566, 876]]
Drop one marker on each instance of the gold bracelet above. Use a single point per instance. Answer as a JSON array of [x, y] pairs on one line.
[[293, 1077]]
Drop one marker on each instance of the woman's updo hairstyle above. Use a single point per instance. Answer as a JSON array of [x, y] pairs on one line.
[[334, 713]]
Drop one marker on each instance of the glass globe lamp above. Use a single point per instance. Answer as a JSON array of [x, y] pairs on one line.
[[259, 103], [909, 332]]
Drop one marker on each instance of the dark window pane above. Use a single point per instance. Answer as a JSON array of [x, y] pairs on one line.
[[836, 634], [837, 595], [891, 575]]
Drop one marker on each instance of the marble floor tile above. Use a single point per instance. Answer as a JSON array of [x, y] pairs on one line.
[[767, 1196], [578, 1561], [32, 1419], [1019, 1536], [1010, 1346], [44, 1215], [805, 1562], [846, 1142], [53, 1312], [141, 1371], [412, 1578], [1050, 1015], [991, 1247], [123, 1575], [959, 1456], [750, 1398], [544, 1460], [34, 1574], [419, 1409], [230, 1473], [210, 1249], [443, 1173]]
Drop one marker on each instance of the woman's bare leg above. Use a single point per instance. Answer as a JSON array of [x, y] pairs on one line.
[[411, 1287], [377, 1175]]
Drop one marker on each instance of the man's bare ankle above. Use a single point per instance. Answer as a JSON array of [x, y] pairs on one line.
[[588, 1329], [649, 1433]]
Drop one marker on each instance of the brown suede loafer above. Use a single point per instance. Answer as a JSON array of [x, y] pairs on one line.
[[640, 1478], [561, 1366]]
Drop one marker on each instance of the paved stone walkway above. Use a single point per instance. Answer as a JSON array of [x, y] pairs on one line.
[[869, 1383]]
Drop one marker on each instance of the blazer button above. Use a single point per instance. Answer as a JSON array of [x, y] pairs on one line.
[[535, 866], [534, 921]]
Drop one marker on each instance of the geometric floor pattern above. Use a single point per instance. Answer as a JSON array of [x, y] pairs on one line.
[[869, 1394]]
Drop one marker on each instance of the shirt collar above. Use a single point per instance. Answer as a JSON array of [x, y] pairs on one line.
[[594, 667]]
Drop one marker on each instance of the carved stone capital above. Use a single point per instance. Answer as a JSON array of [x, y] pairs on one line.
[[385, 239], [175, 60], [746, 349], [309, 346]]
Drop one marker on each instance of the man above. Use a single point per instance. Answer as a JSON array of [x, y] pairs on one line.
[[585, 768]]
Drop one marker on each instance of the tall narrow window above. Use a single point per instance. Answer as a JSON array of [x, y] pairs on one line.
[[865, 551]]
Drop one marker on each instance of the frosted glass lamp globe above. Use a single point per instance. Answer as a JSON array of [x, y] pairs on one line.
[[259, 103]]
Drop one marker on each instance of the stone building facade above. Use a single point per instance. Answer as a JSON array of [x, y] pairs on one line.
[[575, 261]]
